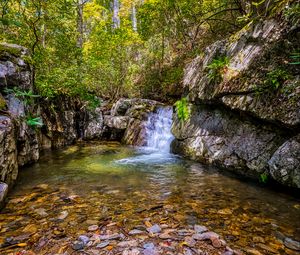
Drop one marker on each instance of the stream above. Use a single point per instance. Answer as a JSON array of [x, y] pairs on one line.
[[106, 187]]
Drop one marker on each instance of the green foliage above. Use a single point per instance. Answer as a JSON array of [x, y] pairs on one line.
[[216, 68], [273, 82], [26, 96], [263, 178], [97, 59], [34, 122], [276, 78], [182, 109], [292, 14], [296, 58]]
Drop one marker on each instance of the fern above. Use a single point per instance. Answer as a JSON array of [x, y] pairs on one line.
[[35, 122]]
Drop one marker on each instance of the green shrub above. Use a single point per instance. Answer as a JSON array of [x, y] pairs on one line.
[[216, 69], [182, 109], [274, 80], [292, 14]]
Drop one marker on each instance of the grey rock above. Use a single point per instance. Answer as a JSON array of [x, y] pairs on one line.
[[110, 237], [285, 163], [102, 245], [135, 232], [292, 244], [3, 193], [93, 228], [200, 229], [84, 239], [94, 124], [205, 236], [154, 229], [214, 136], [148, 246], [130, 243], [116, 122], [78, 245]]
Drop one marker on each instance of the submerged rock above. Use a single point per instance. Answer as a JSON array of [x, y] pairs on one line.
[[154, 229], [78, 245], [292, 244]]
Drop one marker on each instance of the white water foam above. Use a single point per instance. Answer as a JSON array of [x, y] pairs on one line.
[[158, 137]]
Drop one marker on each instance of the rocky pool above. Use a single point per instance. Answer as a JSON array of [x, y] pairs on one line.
[[105, 198]]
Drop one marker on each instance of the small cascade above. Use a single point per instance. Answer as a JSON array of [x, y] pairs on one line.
[[158, 129], [158, 140]]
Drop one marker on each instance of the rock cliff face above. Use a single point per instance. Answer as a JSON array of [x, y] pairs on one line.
[[245, 113], [65, 120]]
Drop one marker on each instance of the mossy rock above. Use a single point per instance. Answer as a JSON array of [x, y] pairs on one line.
[[2, 102], [13, 49]]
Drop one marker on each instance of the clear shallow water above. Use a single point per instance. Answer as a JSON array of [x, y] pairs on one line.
[[127, 185]]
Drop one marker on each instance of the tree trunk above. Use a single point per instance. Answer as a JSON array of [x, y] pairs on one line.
[[116, 18], [80, 4], [133, 18]]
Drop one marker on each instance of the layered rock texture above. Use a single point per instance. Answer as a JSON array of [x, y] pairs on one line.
[[59, 122], [245, 108]]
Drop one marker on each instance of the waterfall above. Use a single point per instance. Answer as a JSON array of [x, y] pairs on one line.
[[158, 129], [158, 140]]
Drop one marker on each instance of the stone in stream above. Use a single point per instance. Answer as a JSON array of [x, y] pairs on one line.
[[110, 237], [205, 236], [292, 244], [84, 239], [135, 232], [154, 229], [134, 251], [41, 211], [165, 236], [78, 245], [63, 215], [200, 229], [189, 241], [227, 253], [93, 228], [102, 245], [148, 246], [131, 243]]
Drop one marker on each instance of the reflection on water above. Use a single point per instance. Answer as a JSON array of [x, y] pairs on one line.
[[124, 182]]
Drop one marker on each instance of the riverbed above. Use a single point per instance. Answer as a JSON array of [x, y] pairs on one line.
[[110, 185]]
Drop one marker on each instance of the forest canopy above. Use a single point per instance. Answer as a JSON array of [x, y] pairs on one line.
[[115, 48]]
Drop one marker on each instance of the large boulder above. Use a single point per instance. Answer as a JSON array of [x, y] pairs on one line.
[[225, 140], [285, 163], [245, 113], [8, 151], [93, 126], [14, 69], [127, 121], [255, 55]]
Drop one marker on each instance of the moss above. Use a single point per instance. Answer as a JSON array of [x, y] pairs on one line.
[[2, 102], [13, 50]]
